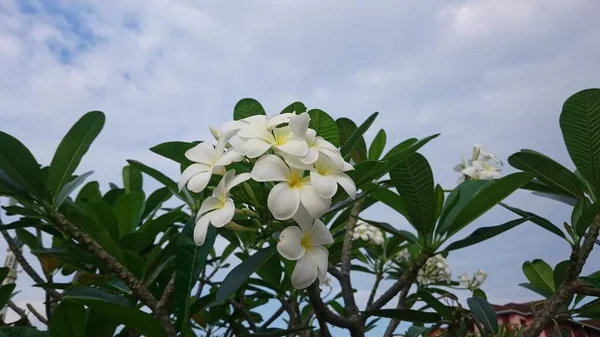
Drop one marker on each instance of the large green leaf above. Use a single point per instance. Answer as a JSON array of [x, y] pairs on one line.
[[68, 320], [133, 180], [325, 126], [271, 271], [407, 315], [128, 210], [89, 192], [560, 272], [541, 276], [485, 233], [116, 307], [72, 148], [389, 198], [247, 107], [5, 292], [536, 219], [20, 165], [377, 146], [69, 188], [355, 141], [21, 331], [160, 177], [484, 313], [414, 181], [104, 215], [174, 151], [482, 199], [296, 107], [189, 262], [155, 201], [438, 306], [580, 125], [548, 171], [99, 325], [588, 214], [100, 233], [238, 275]]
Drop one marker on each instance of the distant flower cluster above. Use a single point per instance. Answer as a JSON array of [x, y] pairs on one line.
[[369, 233], [473, 282], [482, 166], [436, 269], [402, 256]]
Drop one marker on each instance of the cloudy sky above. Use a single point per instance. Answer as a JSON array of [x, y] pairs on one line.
[[489, 72]]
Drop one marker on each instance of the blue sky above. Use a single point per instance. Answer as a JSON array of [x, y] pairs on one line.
[[482, 71]]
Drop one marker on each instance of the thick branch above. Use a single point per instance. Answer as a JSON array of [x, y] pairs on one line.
[[345, 281], [404, 281], [166, 296], [323, 312], [138, 289], [25, 264], [37, 314], [389, 332], [334, 272], [577, 260], [585, 289], [18, 311]]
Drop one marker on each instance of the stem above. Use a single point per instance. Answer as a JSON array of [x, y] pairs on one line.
[[163, 304], [37, 314], [345, 281], [323, 312], [273, 317], [389, 331], [378, 278], [18, 311], [578, 258]]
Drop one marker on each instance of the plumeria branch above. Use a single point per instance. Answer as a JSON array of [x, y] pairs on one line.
[[389, 331], [345, 281], [323, 312], [579, 256], [273, 317], [18, 311], [378, 278], [37, 314]]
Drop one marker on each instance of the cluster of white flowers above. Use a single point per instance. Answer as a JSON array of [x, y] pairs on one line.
[[402, 256], [482, 166], [473, 282], [436, 269], [366, 232], [286, 149]]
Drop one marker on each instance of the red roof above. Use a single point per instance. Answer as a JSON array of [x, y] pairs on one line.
[[523, 308]]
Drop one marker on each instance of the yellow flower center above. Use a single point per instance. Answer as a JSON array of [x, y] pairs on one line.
[[281, 139], [306, 241], [295, 179]]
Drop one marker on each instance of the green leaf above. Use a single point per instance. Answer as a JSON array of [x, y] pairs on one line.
[[69, 188], [438, 306], [190, 260], [588, 214], [351, 138], [481, 200], [297, 107], [104, 215], [20, 165], [72, 148], [89, 192], [483, 313], [386, 227], [101, 234], [548, 171], [160, 177], [407, 315], [479, 293], [438, 196], [99, 325], [20, 331], [536, 219], [238, 275], [377, 146], [3, 273], [560, 272], [174, 151], [279, 332], [5, 293], [389, 198], [133, 180], [414, 181], [128, 210], [324, 125], [541, 276], [29, 239], [580, 122], [485, 233], [247, 107], [271, 270], [68, 320], [155, 201], [116, 307]]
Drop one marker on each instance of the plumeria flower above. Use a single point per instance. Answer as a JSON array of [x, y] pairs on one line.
[[260, 136], [436, 269], [207, 159], [473, 282], [294, 189], [304, 243], [318, 145], [378, 238], [482, 166], [218, 209], [362, 231], [402, 256], [486, 171], [480, 154], [327, 175]]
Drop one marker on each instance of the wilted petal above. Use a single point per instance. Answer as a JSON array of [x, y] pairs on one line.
[[270, 168], [319, 234], [325, 186], [314, 204], [254, 148], [191, 171], [198, 182], [201, 228], [290, 243], [294, 146], [283, 201], [299, 124], [209, 204], [305, 273], [222, 216], [319, 257], [346, 182], [203, 153]]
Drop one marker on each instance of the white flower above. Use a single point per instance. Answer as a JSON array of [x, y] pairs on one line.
[[218, 209], [367, 232], [327, 175], [473, 282], [293, 190], [305, 245], [207, 159], [436, 269], [378, 238], [482, 166], [318, 145], [402, 256], [486, 171]]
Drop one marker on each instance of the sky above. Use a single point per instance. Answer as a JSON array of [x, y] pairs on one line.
[[482, 71]]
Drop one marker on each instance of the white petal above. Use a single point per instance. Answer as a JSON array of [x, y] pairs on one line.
[[310, 136], [294, 146], [202, 153], [221, 191], [250, 131], [346, 182], [333, 155], [256, 119], [278, 120], [209, 204], [305, 273], [290, 243], [283, 201], [303, 219], [470, 171], [321, 143], [215, 132], [222, 216], [198, 182], [283, 133], [254, 148], [240, 178], [347, 167], [295, 162], [314, 204], [299, 124], [319, 234], [270, 168], [201, 229], [319, 257], [230, 156], [458, 168], [311, 156], [191, 171], [231, 126], [325, 186]]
